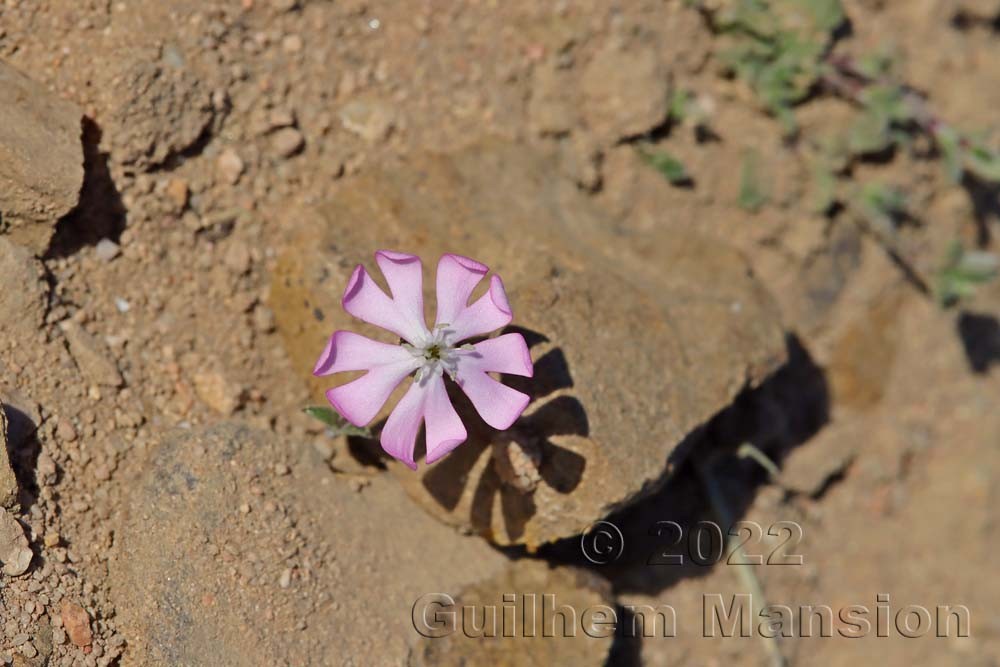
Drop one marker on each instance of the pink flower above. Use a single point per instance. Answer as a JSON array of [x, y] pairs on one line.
[[429, 353]]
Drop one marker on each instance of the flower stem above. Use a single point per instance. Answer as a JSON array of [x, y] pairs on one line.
[[750, 581]]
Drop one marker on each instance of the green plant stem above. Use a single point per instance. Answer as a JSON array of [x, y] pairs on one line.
[[746, 450], [844, 78], [747, 576]]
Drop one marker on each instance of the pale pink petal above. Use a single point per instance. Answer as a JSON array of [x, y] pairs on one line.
[[504, 354], [348, 351], [457, 276], [365, 300], [359, 401], [445, 430], [405, 275], [399, 435], [490, 312], [496, 403]]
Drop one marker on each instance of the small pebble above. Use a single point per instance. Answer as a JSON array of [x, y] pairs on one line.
[[238, 258], [77, 623], [65, 430], [177, 190], [287, 142], [230, 166], [106, 250]]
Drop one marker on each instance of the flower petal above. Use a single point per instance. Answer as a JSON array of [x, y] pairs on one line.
[[359, 401], [445, 430], [504, 354], [490, 312], [426, 402], [405, 275], [399, 435], [366, 301], [496, 403], [348, 351], [457, 276]]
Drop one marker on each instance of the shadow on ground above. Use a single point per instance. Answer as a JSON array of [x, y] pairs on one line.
[[780, 415], [101, 212]]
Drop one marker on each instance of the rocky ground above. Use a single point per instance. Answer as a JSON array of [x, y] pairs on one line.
[[184, 189]]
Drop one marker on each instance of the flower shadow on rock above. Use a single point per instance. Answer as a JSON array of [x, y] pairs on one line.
[[557, 467]]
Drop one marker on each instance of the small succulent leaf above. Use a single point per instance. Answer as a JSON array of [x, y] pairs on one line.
[[336, 424], [668, 166]]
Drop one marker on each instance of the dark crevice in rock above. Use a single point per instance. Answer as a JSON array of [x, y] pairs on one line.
[[101, 212]]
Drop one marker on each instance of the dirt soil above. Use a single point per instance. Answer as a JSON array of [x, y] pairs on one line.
[[179, 507]]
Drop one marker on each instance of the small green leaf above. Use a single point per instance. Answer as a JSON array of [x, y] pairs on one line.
[[875, 65], [825, 183], [336, 424], [877, 128], [950, 144], [887, 101], [869, 134], [777, 47], [880, 206], [669, 167], [963, 271], [752, 196], [680, 103], [984, 163], [827, 15]]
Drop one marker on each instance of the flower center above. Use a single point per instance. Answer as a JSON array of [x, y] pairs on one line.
[[437, 355]]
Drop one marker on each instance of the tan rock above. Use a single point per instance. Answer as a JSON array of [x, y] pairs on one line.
[[41, 160], [527, 630], [178, 192], [552, 107], [635, 344], [156, 111], [77, 623], [218, 392], [371, 120], [23, 298], [863, 354], [230, 166], [369, 553], [92, 356], [830, 453], [626, 90], [287, 141], [15, 554]]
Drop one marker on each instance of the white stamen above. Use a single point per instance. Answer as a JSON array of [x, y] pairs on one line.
[[437, 353]]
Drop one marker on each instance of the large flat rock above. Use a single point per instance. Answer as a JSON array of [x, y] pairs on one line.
[[41, 159], [530, 614], [636, 343], [221, 560], [24, 296]]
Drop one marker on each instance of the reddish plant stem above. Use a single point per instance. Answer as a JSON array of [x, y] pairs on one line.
[[844, 78]]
